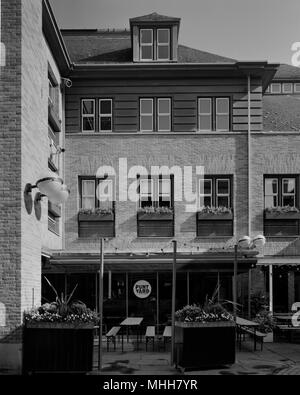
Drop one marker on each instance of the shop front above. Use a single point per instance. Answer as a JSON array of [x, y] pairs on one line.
[[141, 285]]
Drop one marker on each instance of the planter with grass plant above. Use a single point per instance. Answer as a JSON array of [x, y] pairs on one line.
[[266, 324], [59, 336], [204, 336], [155, 214], [282, 213], [215, 213]]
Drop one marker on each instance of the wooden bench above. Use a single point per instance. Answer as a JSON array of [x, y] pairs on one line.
[[150, 336], [111, 336], [167, 334], [258, 336]]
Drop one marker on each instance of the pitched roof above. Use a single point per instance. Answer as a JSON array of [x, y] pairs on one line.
[[281, 113], [154, 17], [286, 71], [114, 46]]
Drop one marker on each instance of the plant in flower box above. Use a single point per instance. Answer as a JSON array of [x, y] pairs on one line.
[[215, 213], [204, 335], [282, 212], [152, 213], [58, 336], [96, 214]]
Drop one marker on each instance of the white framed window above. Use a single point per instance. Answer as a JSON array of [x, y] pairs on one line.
[[163, 114], [297, 87], [222, 114], [88, 115], [205, 192], [163, 44], [287, 87], [276, 88], [223, 192], [146, 190], [205, 114], [88, 194], [146, 115], [146, 44], [105, 115], [105, 193], [164, 192], [288, 192], [271, 192]]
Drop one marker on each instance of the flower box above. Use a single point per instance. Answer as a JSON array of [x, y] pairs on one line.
[[210, 344], [58, 347], [274, 215], [95, 217], [155, 216], [214, 216]]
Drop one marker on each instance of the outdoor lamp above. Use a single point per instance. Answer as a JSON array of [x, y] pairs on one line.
[[257, 241], [52, 187]]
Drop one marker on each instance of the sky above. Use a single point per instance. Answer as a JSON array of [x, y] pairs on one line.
[[239, 29]]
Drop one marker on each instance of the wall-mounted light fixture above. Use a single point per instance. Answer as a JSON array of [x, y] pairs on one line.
[[52, 187]]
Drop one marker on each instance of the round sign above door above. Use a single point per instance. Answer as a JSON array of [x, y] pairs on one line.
[[142, 289]]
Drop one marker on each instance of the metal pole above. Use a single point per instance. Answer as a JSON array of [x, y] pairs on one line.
[[271, 288], [100, 304], [173, 301], [249, 293], [235, 280]]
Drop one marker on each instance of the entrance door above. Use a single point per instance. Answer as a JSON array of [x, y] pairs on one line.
[[280, 291]]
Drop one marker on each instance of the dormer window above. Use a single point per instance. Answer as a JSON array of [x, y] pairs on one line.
[[155, 44]]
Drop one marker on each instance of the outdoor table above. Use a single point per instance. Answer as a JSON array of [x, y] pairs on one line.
[[131, 322], [242, 322]]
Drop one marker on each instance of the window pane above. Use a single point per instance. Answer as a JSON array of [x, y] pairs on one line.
[[105, 123], [270, 186], [164, 122], [288, 200], [88, 187], [163, 36], [205, 122], [289, 185], [147, 52], [146, 36], [271, 201], [145, 186], [207, 187], [276, 88], [223, 201], [88, 203], [88, 123], [297, 88], [204, 106], [164, 106], [146, 106], [288, 88], [222, 106], [223, 186], [105, 106], [163, 52], [165, 186], [207, 201], [87, 107], [146, 122], [222, 122]]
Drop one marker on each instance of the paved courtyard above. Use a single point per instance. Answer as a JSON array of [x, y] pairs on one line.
[[275, 359]]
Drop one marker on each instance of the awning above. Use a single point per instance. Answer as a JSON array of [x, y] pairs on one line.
[[279, 260], [209, 261]]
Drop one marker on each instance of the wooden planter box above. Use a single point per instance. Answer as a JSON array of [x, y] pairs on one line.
[[95, 217], [155, 217], [282, 216], [204, 344], [58, 347], [214, 217]]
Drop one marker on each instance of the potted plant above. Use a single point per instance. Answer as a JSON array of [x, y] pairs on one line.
[[155, 213], [59, 336], [266, 324], [282, 212], [215, 213], [97, 214], [204, 336]]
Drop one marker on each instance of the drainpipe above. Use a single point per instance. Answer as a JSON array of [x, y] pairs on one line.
[[249, 185]]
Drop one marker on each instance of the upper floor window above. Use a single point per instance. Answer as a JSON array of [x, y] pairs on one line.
[[154, 44], [215, 191], [155, 192], [297, 87], [213, 113], [155, 114], [276, 88], [88, 115], [92, 193], [287, 88], [280, 191], [105, 115]]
